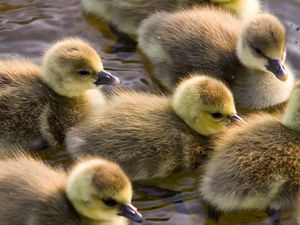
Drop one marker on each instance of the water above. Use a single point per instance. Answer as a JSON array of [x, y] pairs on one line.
[[27, 28]]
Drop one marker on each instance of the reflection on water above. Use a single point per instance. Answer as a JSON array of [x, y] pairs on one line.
[[27, 28]]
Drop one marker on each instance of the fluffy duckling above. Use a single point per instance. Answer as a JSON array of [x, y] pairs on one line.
[[152, 136], [249, 56], [95, 192], [256, 165], [38, 104], [128, 14]]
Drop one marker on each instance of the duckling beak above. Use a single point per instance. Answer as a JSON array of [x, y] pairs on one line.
[[130, 212], [107, 78], [237, 119], [275, 66]]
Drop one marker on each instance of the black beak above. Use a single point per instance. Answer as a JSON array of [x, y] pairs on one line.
[[237, 119], [129, 211], [275, 66], [107, 78]]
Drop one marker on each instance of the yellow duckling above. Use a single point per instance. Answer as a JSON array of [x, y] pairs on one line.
[[37, 105], [95, 192], [256, 165], [152, 136], [127, 15], [249, 56]]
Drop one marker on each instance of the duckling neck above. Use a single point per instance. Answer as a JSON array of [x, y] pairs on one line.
[[291, 117], [184, 113], [256, 89]]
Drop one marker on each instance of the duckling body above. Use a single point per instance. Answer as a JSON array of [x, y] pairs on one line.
[[213, 41], [138, 129], [128, 14], [256, 165], [134, 134], [33, 193], [35, 111]]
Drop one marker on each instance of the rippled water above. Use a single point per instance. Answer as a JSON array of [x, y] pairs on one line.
[[28, 27]]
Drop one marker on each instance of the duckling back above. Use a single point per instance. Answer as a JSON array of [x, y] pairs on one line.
[[190, 40]]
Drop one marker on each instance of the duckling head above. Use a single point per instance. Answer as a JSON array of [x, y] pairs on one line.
[[261, 45], [291, 117], [100, 191], [204, 104], [72, 66]]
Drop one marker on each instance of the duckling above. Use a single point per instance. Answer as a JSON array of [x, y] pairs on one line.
[[256, 165], [152, 136], [37, 105], [127, 15], [96, 191], [249, 56]]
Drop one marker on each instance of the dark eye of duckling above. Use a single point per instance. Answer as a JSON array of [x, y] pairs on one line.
[[217, 115], [84, 72], [110, 202], [258, 52]]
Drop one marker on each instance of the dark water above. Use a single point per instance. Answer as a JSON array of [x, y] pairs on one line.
[[27, 28]]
